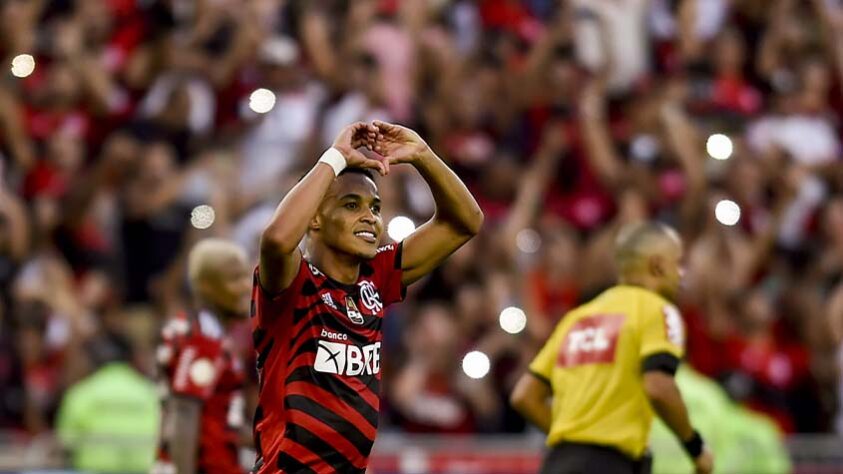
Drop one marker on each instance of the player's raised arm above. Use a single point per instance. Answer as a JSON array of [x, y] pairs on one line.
[[457, 219], [280, 256]]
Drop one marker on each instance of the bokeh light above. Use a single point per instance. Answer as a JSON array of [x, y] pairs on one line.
[[400, 227], [202, 217], [727, 212], [528, 241], [719, 146], [262, 100], [23, 65], [476, 364], [513, 320]]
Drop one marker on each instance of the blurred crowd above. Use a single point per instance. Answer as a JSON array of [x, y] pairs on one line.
[[139, 131]]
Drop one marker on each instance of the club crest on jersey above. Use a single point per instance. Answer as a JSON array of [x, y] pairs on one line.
[[370, 297], [353, 313]]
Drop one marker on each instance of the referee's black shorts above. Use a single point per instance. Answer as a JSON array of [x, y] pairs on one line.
[[576, 458]]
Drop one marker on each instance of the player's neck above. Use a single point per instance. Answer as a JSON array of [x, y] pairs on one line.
[[223, 317], [340, 267]]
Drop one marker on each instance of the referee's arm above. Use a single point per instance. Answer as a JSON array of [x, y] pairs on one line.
[[666, 400], [531, 398]]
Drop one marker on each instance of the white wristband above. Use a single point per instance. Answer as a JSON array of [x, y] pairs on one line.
[[333, 158]]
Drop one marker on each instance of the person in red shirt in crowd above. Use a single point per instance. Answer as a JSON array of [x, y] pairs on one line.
[[204, 408]]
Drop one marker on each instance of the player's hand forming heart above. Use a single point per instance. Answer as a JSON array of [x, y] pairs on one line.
[[398, 144], [352, 138]]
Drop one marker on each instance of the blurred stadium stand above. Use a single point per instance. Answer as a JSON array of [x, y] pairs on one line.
[[131, 128]]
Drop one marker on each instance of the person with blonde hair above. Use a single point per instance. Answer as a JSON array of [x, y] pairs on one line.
[[204, 405]]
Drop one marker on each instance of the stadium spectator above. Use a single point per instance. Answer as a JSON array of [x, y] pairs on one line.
[[135, 113]]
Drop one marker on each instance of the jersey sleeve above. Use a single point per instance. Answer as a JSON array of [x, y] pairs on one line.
[[388, 273], [662, 332], [542, 365], [268, 307]]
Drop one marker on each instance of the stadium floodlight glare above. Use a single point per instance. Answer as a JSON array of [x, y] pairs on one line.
[[262, 100], [719, 146], [727, 212], [513, 320], [202, 216], [400, 227], [528, 241], [476, 364], [23, 65]]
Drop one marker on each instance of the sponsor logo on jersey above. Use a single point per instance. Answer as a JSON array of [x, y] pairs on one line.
[[326, 298], [202, 372], [183, 367], [370, 297], [335, 336], [347, 359], [351, 310], [591, 340], [673, 326]]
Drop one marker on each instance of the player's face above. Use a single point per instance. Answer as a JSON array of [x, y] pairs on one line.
[[671, 271], [349, 219], [229, 286]]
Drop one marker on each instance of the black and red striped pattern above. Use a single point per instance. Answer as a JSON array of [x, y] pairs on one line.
[[318, 355]]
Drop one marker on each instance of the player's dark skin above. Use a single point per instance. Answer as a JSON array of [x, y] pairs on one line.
[[341, 215]]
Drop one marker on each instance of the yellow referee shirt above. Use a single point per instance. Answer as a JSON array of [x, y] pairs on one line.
[[593, 362]]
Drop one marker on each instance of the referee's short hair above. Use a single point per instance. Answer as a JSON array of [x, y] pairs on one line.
[[638, 240]]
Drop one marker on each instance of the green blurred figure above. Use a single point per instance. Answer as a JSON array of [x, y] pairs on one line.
[[744, 441], [108, 421]]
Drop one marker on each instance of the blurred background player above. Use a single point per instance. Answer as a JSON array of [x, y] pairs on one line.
[[610, 364], [204, 408], [319, 313]]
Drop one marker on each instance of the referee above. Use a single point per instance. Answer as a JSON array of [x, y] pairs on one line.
[[609, 364]]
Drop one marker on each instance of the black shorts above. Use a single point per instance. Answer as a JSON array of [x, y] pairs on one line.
[[576, 458]]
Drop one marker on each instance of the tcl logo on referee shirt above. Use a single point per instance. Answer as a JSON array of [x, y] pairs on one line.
[[592, 340], [347, 359]]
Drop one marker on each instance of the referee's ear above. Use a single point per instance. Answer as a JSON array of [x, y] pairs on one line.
[[655, 264]]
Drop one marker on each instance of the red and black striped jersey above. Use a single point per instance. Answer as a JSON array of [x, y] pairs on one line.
[[197, 360], [318, 344]]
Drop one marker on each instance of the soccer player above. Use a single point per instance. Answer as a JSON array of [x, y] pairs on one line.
[[610, 363], [204, 408], [317, 314]]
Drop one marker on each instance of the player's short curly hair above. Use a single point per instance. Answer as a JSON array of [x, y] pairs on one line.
[[364, 171], [351, 170]]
